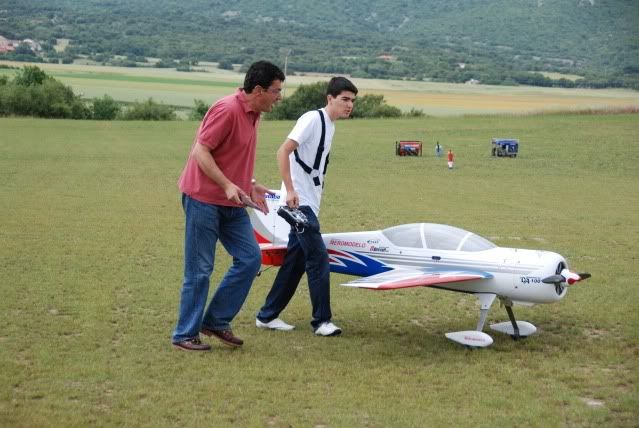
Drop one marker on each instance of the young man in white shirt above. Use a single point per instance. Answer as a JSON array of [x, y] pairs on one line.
[[302, 160]]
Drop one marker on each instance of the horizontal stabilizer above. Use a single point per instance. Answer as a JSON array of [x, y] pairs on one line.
[[273, 255], [405, 278], [472, 338], [525, 328]]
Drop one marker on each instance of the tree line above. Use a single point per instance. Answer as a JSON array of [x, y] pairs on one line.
[[32, 92]]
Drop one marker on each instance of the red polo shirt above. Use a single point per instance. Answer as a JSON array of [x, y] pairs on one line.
[[229, 130]]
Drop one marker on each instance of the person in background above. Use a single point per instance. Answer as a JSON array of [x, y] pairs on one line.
[[217, 183], [451, 158], [302, 160], [438, 150]]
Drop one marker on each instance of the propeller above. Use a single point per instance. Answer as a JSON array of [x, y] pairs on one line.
[[554, 279], [564, 277]]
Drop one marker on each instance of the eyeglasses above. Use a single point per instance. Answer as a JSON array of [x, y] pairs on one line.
[[274, 91]]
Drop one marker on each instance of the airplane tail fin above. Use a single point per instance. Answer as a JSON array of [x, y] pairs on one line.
[[271, 231]]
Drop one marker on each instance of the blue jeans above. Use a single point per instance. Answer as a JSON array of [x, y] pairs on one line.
[[306, 252], [205, 224]]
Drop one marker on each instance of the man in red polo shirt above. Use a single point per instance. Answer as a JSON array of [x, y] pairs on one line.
[[217, 184]]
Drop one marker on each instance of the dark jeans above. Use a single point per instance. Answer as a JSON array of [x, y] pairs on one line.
[[205, 224], [306, 252]]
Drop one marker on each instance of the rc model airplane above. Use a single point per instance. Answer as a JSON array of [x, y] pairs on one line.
[[436, 256]]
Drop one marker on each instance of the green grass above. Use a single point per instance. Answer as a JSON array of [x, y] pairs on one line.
[[91, 260], [144, 79]]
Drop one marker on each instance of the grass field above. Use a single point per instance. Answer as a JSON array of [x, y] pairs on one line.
[[435, 99], [91, 260]]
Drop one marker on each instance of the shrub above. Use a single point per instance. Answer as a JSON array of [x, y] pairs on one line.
[[225, 65], [374, 106], [413, 112], [199, 110], [149, 110], [30, 75], [105, 108], [33, 93], [305, 98], [165, 63]]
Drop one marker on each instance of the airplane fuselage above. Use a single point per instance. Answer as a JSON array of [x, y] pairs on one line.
[[516, 273]]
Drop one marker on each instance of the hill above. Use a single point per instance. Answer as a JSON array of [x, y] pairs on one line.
[[492, 41]]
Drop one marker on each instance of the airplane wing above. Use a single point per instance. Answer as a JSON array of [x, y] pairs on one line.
[[405, 278]]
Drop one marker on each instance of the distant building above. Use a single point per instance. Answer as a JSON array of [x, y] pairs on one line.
[[472, 82], [386, 57], [35, 46], [7, 45]]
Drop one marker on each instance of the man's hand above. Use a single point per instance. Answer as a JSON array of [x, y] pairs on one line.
[[233, 193], [292, 199], [257, 195]]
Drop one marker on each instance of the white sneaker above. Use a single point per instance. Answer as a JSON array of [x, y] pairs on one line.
[[276, 324], [328, 329]]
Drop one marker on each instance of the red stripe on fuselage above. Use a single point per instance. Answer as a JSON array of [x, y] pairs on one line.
[[260, 238], [422, 282]]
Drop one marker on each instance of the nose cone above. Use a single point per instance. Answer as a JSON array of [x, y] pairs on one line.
[[571, 278], [565, 277]]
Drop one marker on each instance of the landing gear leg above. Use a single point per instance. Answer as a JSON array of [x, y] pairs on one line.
[[486, 301], [513, 321], [516, 329]]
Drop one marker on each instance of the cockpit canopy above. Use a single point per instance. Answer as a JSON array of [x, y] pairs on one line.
[[436, 237]]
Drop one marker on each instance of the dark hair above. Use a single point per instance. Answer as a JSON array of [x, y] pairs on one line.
[[337, 85], [261, 73]]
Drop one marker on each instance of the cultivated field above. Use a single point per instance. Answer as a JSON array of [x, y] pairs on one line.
[[436, 99], [91, 261]]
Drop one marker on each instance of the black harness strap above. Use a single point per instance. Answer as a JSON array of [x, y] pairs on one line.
[[307, 169], [318, 156], [326, 164], [320, 148]]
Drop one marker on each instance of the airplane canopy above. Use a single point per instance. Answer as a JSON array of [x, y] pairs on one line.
[[437, 237]]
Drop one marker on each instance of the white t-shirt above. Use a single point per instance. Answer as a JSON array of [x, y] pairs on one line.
[[307, 133]]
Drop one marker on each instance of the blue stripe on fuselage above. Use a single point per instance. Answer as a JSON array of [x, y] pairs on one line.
[[370, 266]]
